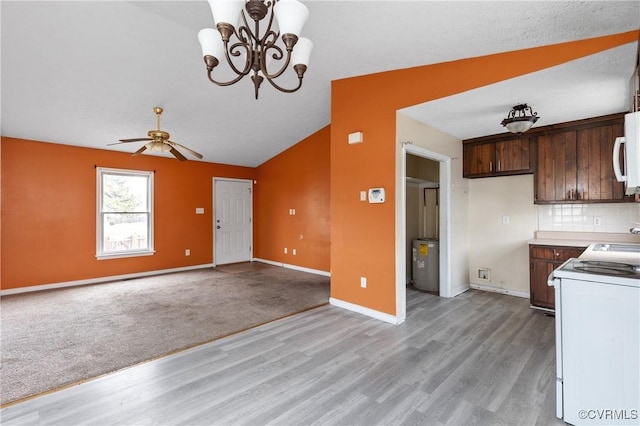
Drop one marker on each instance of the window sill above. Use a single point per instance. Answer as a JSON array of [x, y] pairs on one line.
[[121, 255]]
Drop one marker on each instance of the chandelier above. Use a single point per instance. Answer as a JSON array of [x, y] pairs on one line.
[[518, 121], [262, 54]]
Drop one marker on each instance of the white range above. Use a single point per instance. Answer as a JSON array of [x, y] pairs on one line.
[[597, 302]]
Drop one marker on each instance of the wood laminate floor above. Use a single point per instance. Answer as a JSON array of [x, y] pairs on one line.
[[479, 358]]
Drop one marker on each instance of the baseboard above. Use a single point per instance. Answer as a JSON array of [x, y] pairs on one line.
[[366, 311], [297, 268], [100, 279], [500, 290], [459, 290]]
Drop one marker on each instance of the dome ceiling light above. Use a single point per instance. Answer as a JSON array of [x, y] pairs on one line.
[[518, 120]]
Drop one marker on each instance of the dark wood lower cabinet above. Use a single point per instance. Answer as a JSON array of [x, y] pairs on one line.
[[543, 260]]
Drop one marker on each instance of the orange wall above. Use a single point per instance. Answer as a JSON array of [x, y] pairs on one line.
[[363, 234], [298, 178], [49, 212]]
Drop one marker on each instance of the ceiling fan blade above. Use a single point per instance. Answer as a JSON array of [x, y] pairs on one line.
[[177, 154], [141, 150], [136, 140], [195, 154]]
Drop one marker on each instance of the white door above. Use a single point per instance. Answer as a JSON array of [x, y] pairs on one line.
[[232, 221]]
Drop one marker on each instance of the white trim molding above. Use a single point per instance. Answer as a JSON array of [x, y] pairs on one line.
[[100, 280], [456, 291], [297, 268], [501, 290], [366, 311]]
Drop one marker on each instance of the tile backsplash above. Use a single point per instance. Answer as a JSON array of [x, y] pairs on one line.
[[614, 217]]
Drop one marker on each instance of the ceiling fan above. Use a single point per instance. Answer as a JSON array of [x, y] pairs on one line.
[[159, 141]]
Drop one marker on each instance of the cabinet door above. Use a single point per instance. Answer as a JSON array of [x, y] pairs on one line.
[[543, 260], [512, 155], [565, 253], [556, 170], [595, 179], [555, 253], [542, 295], [478, 160]]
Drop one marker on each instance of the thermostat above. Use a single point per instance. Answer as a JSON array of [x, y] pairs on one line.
[[376, 195]]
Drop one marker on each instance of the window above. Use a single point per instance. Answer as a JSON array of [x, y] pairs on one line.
[[125, 213]]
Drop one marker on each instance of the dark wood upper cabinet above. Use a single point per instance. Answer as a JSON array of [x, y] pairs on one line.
[[574, 163], [478, 159], [496, 156]]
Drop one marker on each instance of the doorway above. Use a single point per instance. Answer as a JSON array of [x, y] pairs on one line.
[[422, 223], [232, 217], [444, 227]]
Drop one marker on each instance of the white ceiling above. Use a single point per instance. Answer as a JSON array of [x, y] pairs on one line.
[[89, 73]]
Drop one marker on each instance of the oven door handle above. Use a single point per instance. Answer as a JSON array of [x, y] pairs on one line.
[[551, 280]]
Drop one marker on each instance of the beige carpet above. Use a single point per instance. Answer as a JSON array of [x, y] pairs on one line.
[[50, 339]]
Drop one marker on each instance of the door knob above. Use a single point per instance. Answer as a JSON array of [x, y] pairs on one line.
[[218, 227]]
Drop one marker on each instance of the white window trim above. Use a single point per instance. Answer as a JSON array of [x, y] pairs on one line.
[[99, 221]]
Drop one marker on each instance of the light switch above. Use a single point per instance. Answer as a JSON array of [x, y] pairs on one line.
[[363, 195]]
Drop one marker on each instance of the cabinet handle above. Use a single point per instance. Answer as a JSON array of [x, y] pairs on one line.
[[498, 165], [490, 166]]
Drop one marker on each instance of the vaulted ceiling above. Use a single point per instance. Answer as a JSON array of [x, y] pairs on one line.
[[88, 73]]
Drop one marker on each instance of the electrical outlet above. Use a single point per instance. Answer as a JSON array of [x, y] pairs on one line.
[[293, 252], [285, 250], [363, 282], [363, 195], [187, 252], [597, 221], [505, 220]]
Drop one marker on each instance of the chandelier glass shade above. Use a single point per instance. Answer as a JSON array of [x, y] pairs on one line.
[[249, 50], [520, 119]]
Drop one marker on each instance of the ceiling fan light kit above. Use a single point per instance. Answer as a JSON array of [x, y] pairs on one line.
[[257, 49], [518, 121], [159, 141]]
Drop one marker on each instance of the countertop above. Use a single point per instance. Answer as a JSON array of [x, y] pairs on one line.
[[580, 239]]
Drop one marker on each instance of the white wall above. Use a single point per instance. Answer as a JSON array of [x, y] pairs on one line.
[[433, 140], [501, 247]]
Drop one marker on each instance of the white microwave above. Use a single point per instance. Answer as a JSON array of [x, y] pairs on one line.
[[630, 145]]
